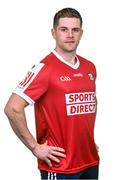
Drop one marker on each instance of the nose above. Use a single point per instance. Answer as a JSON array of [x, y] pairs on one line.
[[70, 33]]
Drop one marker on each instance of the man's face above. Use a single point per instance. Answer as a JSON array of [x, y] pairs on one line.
[[67, 34]]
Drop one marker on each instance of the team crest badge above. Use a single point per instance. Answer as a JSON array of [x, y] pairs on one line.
[[91, 76]]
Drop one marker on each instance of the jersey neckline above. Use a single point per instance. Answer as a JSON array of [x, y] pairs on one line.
[[74, 66]]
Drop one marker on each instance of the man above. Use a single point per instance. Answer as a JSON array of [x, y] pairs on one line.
[[62, 89]]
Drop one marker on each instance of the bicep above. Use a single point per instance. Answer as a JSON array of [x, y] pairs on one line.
[[16, 103]]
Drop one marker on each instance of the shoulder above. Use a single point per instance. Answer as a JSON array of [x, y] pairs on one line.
[[88, 65], [47, 60], [43, 64], [85, 61]]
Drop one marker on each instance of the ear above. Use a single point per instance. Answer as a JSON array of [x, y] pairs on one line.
[[81, 32], [53, 33]]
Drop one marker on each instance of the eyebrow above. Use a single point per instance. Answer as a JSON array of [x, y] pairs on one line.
[[61, 27]]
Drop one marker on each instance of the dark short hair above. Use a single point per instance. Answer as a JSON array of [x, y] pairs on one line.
[[66, 12]]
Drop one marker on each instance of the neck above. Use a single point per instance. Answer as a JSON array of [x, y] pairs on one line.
[[67, 56]]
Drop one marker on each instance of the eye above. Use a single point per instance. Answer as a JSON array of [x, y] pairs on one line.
[[76, 29], [64, 29]]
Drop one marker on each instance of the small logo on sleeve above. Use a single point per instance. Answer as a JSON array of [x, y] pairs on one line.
[[26, 80], [31, 75]]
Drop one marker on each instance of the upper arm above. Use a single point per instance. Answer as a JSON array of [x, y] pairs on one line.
[[16, 103]]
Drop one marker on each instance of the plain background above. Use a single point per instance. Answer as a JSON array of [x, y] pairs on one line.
[[25, 39]]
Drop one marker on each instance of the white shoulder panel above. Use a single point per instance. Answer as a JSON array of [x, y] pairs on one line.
[[30, 76], [26, 82]]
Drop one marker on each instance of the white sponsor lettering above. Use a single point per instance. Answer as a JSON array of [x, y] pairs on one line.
[[80, 97], [80, 103]]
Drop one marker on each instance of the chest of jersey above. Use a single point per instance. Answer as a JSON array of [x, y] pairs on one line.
[[73, 89], [69, 80]]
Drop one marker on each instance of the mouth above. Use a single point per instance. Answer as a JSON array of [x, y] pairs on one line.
[[69, 42]]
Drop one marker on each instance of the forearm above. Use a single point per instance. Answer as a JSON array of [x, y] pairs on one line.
[[18, 123], [14, 110], [43, 152]]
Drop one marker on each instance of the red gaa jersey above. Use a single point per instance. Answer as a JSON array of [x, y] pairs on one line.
[[65, 107]]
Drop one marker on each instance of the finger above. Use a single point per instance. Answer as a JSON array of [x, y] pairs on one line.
[[53, 158], [55, 153], [48, 161], [57, 149]]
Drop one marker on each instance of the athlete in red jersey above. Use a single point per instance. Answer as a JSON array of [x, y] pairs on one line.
[[62, 89]]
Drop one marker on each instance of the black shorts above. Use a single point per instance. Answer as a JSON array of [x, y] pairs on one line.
[[90, 173]]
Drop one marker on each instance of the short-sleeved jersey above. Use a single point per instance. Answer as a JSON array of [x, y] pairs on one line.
[[64, 99]]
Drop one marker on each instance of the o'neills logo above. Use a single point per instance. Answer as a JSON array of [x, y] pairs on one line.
[[80, 103]]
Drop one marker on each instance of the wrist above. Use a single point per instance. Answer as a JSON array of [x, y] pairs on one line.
[[32, 146]]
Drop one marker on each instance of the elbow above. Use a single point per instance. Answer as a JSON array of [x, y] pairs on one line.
[[15, 105], [7, 110], [10, 110]]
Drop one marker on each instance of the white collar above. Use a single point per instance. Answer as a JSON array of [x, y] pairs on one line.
[[74, 66]]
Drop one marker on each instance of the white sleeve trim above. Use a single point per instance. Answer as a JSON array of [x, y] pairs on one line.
[[24, 96]]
